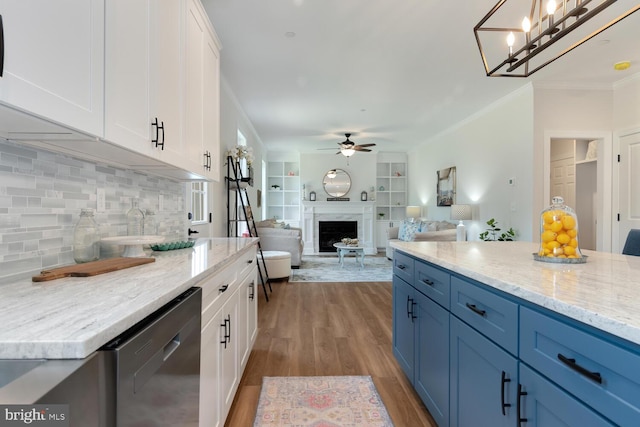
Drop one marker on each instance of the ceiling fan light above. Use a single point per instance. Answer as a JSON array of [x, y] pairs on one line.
[[347, 152]]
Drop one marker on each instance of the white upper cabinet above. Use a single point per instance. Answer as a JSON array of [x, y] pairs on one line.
[[202, 96], [54, 61]]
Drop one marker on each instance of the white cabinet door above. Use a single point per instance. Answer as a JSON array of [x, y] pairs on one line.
[[202, 91], [128, 61], [248, 315], [212, 335], [54, 61], [229, 360]]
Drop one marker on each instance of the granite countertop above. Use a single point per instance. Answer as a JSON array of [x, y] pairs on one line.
[[72, 317], [604, 292]]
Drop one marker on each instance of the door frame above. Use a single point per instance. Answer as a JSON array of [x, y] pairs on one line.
[[605, 225]]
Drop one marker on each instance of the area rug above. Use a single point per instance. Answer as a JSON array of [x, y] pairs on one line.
[[327, 269], [320, 402]]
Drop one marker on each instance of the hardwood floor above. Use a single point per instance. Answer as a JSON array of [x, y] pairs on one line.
[[328, 329]]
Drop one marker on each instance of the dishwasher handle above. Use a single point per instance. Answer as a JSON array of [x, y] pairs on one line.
[[171, 347]]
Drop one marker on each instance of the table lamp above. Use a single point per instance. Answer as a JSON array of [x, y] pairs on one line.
[[461, 213], [412, 212]]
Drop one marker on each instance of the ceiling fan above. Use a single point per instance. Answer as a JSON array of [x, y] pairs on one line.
[[348, 147]]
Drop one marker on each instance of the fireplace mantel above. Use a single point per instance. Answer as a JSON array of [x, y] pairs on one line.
[[363, 212]]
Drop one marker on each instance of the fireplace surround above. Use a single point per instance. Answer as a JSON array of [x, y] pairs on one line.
[[360, 212]]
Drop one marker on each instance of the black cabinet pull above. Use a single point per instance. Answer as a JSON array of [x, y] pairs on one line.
[[594, 376], [476, 310], [162, 143], [206, 162], [224, 336], [250, 261], [154, 123], [252, 288], [228, 335], [519, 406], [1, 46], [428, 282], [412, 315], [401, 266], [503, 381], [223, 288]]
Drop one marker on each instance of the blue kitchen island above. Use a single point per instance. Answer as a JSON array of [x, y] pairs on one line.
[[488, 336]]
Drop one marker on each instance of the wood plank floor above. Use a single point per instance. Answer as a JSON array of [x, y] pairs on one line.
[[339, 328]]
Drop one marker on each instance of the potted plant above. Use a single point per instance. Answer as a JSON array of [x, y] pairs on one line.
[[381, 215], [493, 233]]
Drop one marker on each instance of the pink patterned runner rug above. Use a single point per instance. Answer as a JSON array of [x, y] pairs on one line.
[[320, 402]]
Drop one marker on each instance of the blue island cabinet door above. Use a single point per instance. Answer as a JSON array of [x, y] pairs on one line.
[[432, 358], [403, 318], [545, 405], [483, 380]]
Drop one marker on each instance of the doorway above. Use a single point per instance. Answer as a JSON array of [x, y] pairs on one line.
[[578, 168]]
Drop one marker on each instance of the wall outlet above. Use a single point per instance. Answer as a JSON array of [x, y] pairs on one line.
[[101, 200], [160, 203], [511, 181]]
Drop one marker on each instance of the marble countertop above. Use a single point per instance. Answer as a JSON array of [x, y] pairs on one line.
[[604, 292], [72, 317]]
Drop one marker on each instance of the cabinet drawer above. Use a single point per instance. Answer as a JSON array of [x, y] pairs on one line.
[[490, 314], [216, 289], [601, 374], [403, 266], [246, 262], [433, 282]]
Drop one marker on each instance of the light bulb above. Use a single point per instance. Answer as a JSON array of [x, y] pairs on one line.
[[551, 7], [526, 25], [511, 39]]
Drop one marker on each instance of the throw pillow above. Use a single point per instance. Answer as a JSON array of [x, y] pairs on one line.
[[428, 226], [408, 229]]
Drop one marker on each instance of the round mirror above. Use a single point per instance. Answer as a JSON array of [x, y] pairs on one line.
[[336, 183]]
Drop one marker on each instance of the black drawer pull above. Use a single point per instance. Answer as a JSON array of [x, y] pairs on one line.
[[503, 381], [594, 376], [519, 406], [476, 310], [223, 288], [401, 266], [1, 47], [428, 282], [250, 261]]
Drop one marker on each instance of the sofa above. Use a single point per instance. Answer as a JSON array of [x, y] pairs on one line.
[[421, 230], [275, 236]]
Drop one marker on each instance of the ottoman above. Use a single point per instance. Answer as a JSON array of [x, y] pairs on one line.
[[278, 263]]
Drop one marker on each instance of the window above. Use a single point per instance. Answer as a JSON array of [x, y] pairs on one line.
[[199, 201]]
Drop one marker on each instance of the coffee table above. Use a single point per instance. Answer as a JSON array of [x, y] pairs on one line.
[[343, 249]]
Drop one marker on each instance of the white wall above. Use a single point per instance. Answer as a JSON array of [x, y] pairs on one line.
[[487, 150], [626, 104]]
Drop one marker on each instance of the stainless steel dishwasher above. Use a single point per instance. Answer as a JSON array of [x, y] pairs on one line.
[[153, 369]]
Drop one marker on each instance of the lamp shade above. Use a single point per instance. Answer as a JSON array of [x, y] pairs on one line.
[[412, 211], [461, 212]]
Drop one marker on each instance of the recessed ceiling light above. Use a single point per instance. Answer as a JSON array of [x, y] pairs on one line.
[[622, 65], [289, 34]]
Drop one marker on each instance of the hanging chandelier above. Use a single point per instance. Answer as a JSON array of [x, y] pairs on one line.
[[521, 51]]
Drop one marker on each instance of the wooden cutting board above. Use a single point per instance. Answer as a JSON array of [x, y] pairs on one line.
[[92, 268]]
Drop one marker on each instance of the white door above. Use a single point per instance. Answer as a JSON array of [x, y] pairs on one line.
[[629, 190]]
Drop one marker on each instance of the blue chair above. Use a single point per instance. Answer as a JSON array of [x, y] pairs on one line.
[[632, 245]]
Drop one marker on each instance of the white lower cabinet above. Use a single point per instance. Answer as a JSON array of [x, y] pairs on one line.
[[229, 328]]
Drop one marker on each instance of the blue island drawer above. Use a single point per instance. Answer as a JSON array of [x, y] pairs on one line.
[[488, 313], [603, 375], [403, 266], [433, 282]]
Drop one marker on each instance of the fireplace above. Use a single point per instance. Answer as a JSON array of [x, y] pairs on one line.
[[330, 232]]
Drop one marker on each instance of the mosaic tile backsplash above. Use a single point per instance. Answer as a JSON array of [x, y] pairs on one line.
[[41, 194]]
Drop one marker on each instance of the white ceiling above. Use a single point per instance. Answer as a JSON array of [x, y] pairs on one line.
[[391, 72]]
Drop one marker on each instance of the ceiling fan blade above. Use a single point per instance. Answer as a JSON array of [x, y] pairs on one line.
[[357, 148], [366, 145]]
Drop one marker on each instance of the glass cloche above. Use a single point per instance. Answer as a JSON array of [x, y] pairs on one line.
[[559, 234]]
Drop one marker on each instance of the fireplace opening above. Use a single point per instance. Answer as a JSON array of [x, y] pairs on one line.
[[330, 232]]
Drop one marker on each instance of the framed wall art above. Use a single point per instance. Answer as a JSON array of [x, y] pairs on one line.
[[446, 187]]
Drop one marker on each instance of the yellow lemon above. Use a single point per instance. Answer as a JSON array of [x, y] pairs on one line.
[[548, 236], [563, 238], [573, 243], [556, 226], [541, 252], [572, 233], [569, 250], [568, 222], [546, 226], [553, 245], [547, 217], [558, 251]]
